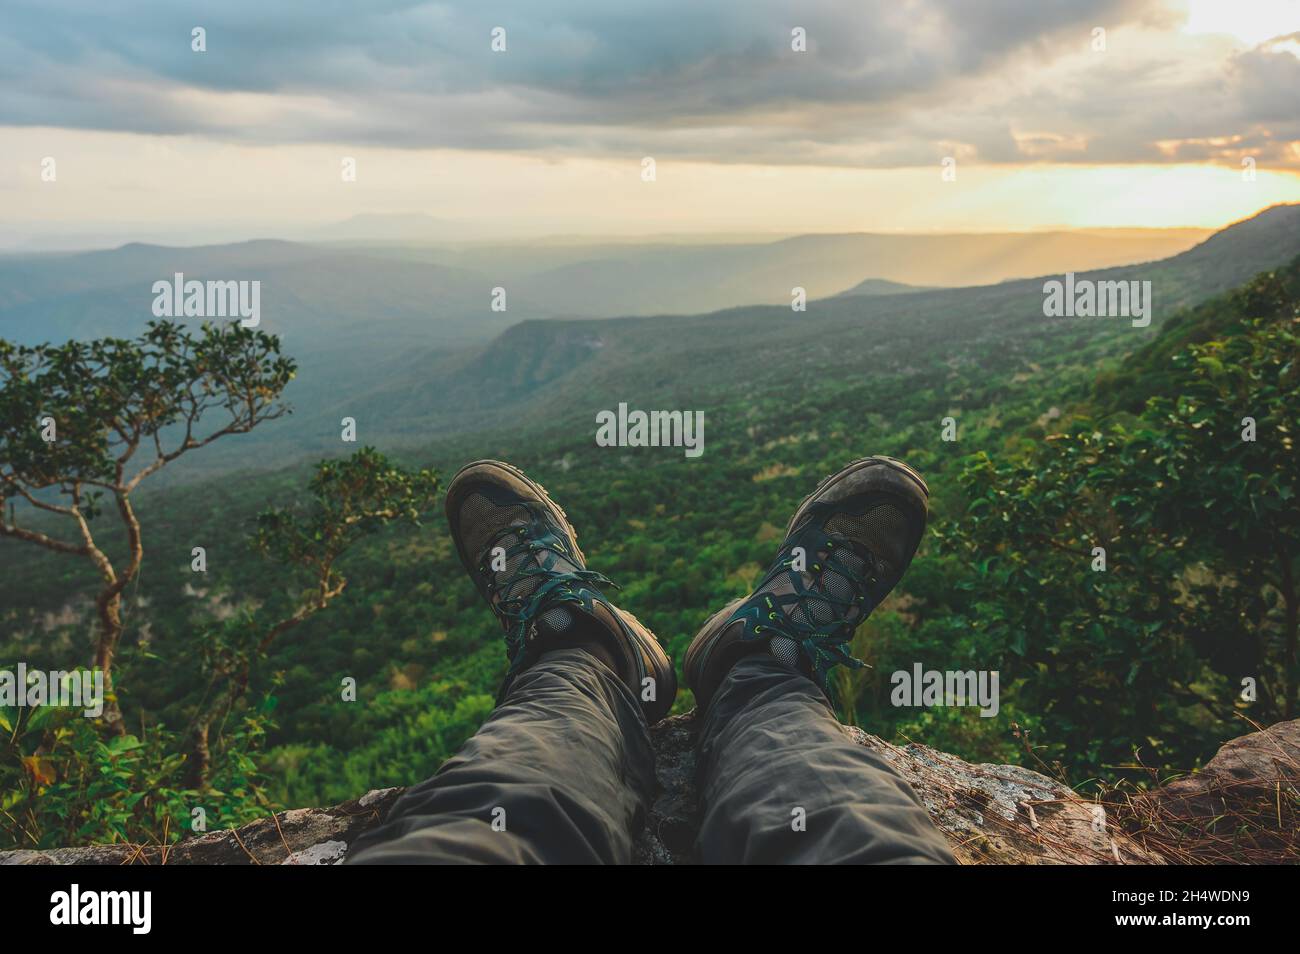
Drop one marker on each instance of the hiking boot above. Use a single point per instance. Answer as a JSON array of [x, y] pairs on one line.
[[522, 553], [845, 548]]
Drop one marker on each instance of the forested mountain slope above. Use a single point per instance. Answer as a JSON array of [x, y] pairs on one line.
[[787, 397]]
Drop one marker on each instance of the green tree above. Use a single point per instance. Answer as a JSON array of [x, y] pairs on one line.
[[350, 499], [85, 421], [1228, 448], [1200, 535]]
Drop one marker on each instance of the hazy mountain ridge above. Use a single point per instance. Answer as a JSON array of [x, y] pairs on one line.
[[581, 280], [881, 286], [684, 358], [407, 346]]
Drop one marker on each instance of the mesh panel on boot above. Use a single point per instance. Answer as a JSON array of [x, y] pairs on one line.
[[835, 575], [833, 581], [480, 520], [786, 651], [524, 585], [884, 530], [557, 619]]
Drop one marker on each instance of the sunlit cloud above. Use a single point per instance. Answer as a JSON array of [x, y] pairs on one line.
[[1017, 92]]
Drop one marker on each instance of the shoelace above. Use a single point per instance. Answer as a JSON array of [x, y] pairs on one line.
[[520, 613], [825, 645]]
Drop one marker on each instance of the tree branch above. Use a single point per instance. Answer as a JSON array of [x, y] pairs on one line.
[[32, 536]]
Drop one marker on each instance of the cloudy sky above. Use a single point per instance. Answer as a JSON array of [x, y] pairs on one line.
[[1055, 112]]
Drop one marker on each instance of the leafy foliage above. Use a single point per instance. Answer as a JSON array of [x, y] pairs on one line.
[[63, 781], [98, 404], [1200, 535], [112, 397], [351, 499], [1054, 457]]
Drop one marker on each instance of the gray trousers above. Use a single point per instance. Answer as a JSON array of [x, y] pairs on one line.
[[563, 772]]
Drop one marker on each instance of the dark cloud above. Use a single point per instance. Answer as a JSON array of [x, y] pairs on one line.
[[885, 82]]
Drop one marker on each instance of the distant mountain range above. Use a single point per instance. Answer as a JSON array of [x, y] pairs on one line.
[[405, 339], [879, 286], [542, 279], [541, 372]]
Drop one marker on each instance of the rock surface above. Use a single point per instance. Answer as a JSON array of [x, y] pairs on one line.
[[315, 836], [991, 814], [1247, 772], [1243, 807]]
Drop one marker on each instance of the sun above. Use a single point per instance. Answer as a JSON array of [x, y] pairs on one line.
[[1250, 21]]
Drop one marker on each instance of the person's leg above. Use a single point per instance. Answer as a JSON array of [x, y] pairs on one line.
[[562, 772], [780, 780]]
